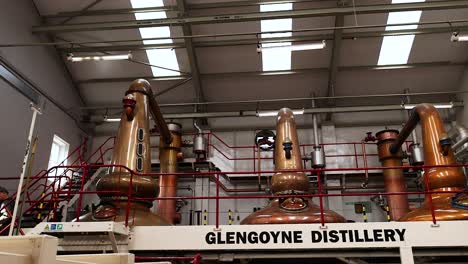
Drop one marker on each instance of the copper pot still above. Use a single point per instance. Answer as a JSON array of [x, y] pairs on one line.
[[132, 150], [437, 152], [287, 156]]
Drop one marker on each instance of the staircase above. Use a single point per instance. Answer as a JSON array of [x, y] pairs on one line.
[[48, 193]]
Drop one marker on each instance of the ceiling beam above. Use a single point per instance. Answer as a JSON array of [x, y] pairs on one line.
[[285, 72], [228, 18], [124, 11], [192, 56], [254, 41]]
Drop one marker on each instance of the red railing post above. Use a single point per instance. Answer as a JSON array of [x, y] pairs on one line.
[[356, 155], [319, 183], [217, 200], [80, 199], [427, 192]]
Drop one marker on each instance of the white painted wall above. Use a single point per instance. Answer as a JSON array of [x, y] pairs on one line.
[[41, 66]]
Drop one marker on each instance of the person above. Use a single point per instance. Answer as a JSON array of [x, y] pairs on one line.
[[6, 210]]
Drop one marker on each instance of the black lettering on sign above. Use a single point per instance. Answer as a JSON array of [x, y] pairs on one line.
[[253, 238], [378, 235], [343, 235], [367, 238], [210, 238], [220, 238], [356, 235], [241, 238], [286, 236], [230, 237], [334, 236], [316, 236], [401, 234], [264, 237], [389, 234], [275, 236], [296, 237]]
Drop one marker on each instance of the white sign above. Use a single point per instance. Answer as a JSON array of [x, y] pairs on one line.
[[300, 236]]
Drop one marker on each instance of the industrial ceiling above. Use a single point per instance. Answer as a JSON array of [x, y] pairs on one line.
[[215, 43]]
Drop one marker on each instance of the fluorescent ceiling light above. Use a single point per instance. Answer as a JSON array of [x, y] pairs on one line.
[[276, 60], [159, 57], [275, 113], [438, 106], [458, 37], [396, 49], [111, 119], [309, 46], [98, 58], [393, 67]]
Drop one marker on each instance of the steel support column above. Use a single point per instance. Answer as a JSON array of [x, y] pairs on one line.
[[187, 30], [335, 59]]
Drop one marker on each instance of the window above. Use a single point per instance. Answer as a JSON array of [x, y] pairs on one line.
[[396, 49], [278, 59], [159, 57], [58, 154]]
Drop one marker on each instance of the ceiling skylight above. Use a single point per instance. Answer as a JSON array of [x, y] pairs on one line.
[[159, 57], [275, 60], [396, 49]]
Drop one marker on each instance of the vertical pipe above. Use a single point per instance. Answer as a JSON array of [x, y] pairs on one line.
[[393, 178], [259, 169], [314, 120], [168, 183], [23, 168], [319, 183], [413, 133]]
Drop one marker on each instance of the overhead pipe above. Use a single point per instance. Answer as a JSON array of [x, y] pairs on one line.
[[416, 156], [284, 100], [345, 109], [288, 160], [437, 152]]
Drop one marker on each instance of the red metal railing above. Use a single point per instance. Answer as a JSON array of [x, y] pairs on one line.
[[217, 197], [49, 182], [52, 186]]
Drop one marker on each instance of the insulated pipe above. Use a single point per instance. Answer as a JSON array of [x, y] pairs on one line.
[[437, 152]]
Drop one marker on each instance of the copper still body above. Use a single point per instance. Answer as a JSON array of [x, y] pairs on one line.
[[394, 179], [287, 156], [132, 150], [437, 152]]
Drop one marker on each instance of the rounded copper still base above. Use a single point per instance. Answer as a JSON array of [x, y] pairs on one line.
[[274, 214], [443, 209], [139, 215]]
